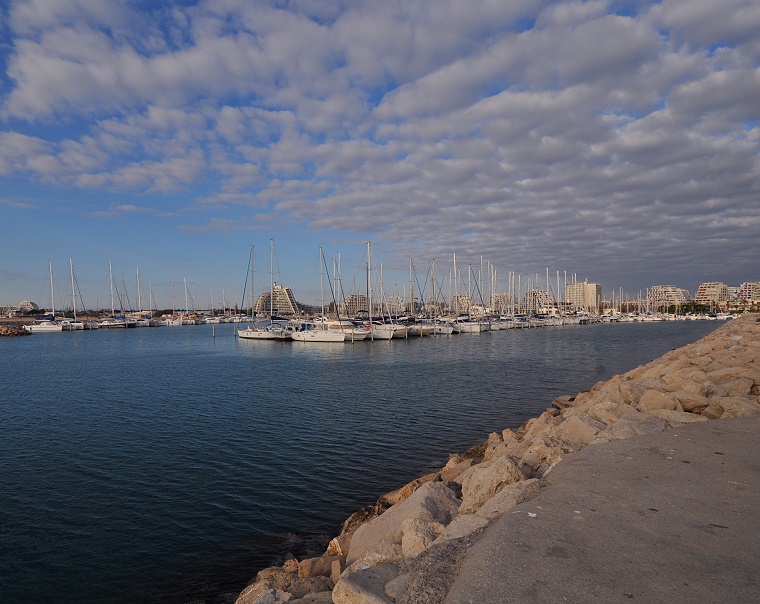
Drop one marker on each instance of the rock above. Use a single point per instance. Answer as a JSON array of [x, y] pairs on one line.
[[677, 418], [339, 545], [483, 481], [654, 399], [404, 492], [316, 567], [509, 497], [738, 406], [462, 526], [277, 577], [541, 456], [338, 566], [300, 588], [607, 412], [563, 402], [578, 431], [691, 401], [323, 597], [452, 472], [418, 534], [712, 411], [366, 586], [395, 588], [261, 593], [632, 423], [433, 500]]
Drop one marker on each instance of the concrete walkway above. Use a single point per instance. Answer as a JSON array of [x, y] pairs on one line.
[[668, 517]]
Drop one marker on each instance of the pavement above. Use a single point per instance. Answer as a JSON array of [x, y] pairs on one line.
[[667, 517]]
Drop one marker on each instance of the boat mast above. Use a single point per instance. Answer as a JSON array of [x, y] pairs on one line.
[[73, 294], [52, 295], [271, 278], [110, 274], [369, 289], [139, 296], [321, 287]]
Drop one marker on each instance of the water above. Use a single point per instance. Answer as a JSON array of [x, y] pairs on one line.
[[164, 465]]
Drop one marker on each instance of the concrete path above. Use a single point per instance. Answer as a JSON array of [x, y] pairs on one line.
[[669, 517]]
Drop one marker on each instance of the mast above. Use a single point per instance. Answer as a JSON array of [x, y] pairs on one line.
[[271, 278], [369, 289], [139, 297], [73, 294], [321, 287], [52, 295], [110, 274]]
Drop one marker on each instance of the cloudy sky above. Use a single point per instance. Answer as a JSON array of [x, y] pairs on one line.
[[614, 140]]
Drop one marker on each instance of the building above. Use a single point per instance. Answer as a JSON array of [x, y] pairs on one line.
[[536, 301], [283, 302], [668, 295], [749, 290], [353, 304], [584, 296], [502, 303], [712, 293], [460, 304]]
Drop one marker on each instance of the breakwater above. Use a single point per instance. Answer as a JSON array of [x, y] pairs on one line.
[[404, 547]]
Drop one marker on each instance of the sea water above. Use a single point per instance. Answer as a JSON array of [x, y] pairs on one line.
[[170, 464]]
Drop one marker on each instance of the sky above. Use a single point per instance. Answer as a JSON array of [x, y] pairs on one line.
[[614, 141]]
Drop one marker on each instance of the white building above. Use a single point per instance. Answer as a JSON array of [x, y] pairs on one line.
[[712, 292], [584, 296], [668, 295], [283, 302]]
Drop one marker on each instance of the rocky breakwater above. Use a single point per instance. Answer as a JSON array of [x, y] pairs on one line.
[[407, 547], [13, 328]]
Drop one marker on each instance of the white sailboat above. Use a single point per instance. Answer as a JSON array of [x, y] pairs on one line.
[[272, 331], [47, 325], [318, 332]]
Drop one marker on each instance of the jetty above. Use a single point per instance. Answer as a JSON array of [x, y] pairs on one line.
[[645, 487]]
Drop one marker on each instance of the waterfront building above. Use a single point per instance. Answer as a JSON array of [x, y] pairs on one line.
[[353, 304], [460, 304], [394, 305], [501, 303], [749, 290], [584, 296], [536, 301], [712, 293], [664, 296], [283, 302]]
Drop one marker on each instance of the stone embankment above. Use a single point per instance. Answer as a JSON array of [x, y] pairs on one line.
[[407, 547], [13, 328]]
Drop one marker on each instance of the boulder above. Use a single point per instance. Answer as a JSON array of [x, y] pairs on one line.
[[654, 399], [433, 501], [316, 567], [462, 526], [578, 431], [541, 456], [483, 481], [323, 597], [691, 401], [365, 586], [452, 471], [632, 423], [738, 406], [396, 588], [509, 497], [418, 534], [677, 418], [607, 412], [300, 588]]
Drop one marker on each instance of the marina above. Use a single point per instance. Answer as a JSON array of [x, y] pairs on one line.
[[169, 465]]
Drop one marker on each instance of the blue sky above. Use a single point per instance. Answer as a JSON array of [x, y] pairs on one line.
[[617, 141]]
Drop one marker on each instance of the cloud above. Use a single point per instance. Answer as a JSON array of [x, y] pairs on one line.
[[528, 131]]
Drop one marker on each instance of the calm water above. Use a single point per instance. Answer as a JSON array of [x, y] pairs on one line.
[[164, 465]]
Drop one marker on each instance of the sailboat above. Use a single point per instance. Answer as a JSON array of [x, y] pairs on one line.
[[272, 331], [73, 324], [318, 332], [46, 325]]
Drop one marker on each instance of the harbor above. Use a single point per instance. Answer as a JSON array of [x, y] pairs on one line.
[[196, 454]]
